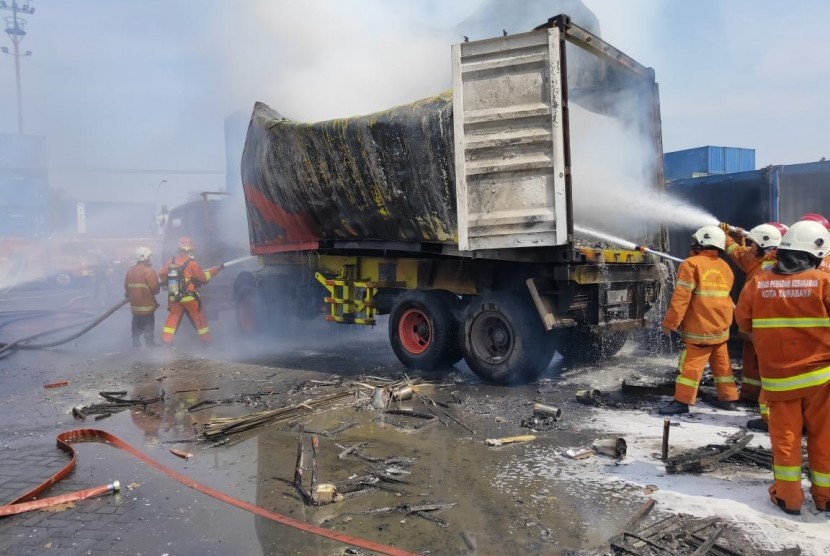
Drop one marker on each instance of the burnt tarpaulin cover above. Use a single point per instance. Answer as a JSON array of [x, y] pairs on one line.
[[387, 176]]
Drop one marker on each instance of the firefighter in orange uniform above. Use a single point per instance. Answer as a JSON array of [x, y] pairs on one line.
[[141, 285], [825, 264], [786, 310], [757, 253], [702, 309], [184, 277]]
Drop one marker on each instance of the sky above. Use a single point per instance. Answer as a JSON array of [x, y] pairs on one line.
[[132, 96]]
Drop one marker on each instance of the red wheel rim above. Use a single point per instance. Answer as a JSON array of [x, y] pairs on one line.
[[415, 331]]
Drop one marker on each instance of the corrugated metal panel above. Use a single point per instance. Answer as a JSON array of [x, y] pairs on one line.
[[509, 145], [22, 221], [803, 188], [743, 199], [23, 188], [708, 160]]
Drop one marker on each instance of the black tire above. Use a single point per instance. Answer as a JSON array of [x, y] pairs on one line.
[[423, 331], [250, 311], [504, 340], [578, 346]]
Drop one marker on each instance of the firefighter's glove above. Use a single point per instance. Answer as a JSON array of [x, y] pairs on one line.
[[667, 331], [725, 227]]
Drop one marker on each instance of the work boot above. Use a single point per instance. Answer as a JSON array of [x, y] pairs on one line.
[[758, 425], [723, 404], [780, 503], [673, 408]]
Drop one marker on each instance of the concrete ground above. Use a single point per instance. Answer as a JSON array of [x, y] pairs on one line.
[[523, 498]]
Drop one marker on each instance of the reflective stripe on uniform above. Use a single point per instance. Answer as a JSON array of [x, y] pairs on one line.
[[143, 309], [207, 275], [203, 331], [787, 472], [681, 361], [804, 380], [139, 286], [763, 409], [820, 479], [721, 379], [731, 248], [688, 285], [168, 330], [767, 265], [723, 336], [712, 293], [687, 382], [187, 298], [799, 322], [751, 381]]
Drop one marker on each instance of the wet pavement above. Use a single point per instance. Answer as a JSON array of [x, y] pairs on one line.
[[512, 499]]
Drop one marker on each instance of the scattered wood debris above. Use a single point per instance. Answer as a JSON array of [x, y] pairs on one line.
[[699, 460], [224, 426], [510, 439]]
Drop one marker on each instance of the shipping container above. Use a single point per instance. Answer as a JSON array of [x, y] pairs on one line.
[[707, 160]]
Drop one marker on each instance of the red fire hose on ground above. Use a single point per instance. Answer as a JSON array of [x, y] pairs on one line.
[[26, 503]]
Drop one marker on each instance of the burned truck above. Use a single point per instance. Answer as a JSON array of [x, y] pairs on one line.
[[454, 215]]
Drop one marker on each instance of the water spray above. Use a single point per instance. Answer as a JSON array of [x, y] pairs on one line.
[[624, 243], [238, 261]]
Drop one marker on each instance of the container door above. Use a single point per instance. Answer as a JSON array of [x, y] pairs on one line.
[[509, 142]]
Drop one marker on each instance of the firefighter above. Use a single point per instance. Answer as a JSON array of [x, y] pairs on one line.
[[756, 252], [184, 277], [141, 285], [702, 310], [813, 217], [786, 310]]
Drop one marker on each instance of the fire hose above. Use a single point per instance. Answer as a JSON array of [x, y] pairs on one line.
[[66, 439], [21, 344]]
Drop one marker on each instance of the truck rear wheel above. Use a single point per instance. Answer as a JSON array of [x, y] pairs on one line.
[[423, 330], [586, 347], [250, 313], [504, 340]]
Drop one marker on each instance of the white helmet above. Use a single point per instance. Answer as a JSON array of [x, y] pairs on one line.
[[808, 236], [712, 236], [765, 235], [142, 254]]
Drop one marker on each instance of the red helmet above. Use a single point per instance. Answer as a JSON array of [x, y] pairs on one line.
[[813, 217], [185, 243], [780, 227]]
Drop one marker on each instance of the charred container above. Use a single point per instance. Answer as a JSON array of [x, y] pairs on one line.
[[454, 215]]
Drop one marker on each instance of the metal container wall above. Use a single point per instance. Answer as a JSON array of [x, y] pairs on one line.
[[22, 221], [707, 160], [386, 176], [802, 188], [743, 199]]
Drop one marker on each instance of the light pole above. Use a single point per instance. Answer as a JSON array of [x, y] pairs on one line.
[[161, 217], [16, 30]]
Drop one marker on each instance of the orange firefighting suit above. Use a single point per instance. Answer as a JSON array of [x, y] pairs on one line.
[[787, 315], [188, 302], [141, 285], [702, 309], [747, 259]]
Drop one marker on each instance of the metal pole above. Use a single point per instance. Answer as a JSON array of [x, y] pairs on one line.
[[17, 79]]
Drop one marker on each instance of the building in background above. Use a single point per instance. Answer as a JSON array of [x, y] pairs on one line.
[[24, 186]]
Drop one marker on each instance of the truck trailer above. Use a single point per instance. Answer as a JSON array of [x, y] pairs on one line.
[[454, 214]]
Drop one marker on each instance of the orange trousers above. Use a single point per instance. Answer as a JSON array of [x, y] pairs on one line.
[[194, 310], [751, 378], [786, 420], [692, 361]]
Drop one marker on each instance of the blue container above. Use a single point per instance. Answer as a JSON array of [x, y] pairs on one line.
[[707, 160]]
